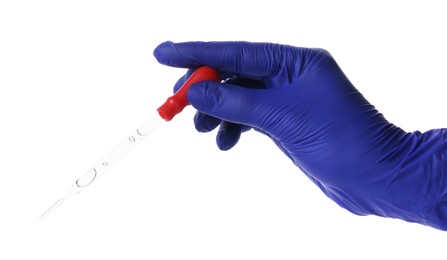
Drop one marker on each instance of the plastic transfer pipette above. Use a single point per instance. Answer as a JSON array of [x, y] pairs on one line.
[[167, 111]]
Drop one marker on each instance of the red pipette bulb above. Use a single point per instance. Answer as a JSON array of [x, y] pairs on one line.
[[177, 102]]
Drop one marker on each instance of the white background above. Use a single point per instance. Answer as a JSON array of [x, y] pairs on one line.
[[77, 76]]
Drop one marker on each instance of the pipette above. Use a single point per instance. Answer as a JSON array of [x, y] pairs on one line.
[[173, 105]]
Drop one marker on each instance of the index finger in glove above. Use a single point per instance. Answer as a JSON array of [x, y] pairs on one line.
[[241, 58]]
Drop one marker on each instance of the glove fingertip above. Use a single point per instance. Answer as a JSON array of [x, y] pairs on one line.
[[205, 123], [198, 95], [226, 142], [183, 79], [168, 53], [163, 50], [228, 135]]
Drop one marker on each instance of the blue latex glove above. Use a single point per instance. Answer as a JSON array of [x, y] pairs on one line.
[[302, 100]]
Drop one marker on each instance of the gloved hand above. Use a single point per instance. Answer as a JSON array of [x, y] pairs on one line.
[[302, 100]]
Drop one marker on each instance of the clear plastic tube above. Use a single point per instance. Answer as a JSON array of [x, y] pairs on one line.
[[110, 159]]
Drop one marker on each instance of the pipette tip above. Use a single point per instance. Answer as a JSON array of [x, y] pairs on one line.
[[51, 209]]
